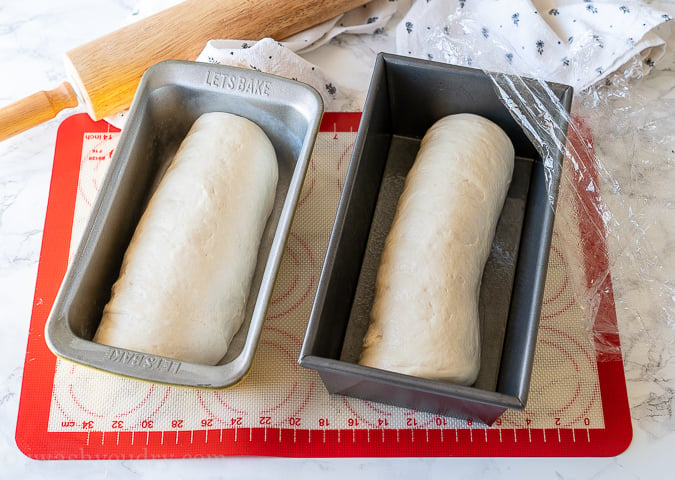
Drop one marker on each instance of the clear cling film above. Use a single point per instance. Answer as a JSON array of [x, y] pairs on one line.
[[612, 146]]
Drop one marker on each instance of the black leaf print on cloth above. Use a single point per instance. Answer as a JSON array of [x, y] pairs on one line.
[[666, 17], [591, 8], [649, 62], [461, 3], [566, 62], [516, 18], [540, 47], [485, 32], [372, 20], [331, 89], [598, 41], [509, 58], [554, 12], [624, 9], [408, 27]]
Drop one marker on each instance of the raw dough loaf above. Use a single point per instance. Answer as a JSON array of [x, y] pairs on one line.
[[186, 274], [424, 320]]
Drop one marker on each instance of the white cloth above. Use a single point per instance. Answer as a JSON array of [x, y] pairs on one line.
[[283, 58], [575, 42], [270, 56]]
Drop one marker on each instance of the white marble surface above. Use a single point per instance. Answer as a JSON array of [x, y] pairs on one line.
[[33, 36]]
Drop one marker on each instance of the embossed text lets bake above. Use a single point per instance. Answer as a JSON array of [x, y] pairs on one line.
[[239, 83], [140, 360]]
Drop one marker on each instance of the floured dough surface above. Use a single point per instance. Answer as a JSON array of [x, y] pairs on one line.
[[424, 320], [186, 275]]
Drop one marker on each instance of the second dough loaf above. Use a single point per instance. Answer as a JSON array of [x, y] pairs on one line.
[[186, 274], [425, 320]]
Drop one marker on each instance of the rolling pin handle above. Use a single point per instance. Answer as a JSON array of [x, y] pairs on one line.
[[35, 109]]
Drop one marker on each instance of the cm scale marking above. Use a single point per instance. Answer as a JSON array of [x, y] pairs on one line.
[[577, 406], [347, 442]]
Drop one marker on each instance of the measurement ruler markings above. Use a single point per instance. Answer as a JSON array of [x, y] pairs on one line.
[[355, 437]]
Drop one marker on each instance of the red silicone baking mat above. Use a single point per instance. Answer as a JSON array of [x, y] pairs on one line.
[[577, 407]]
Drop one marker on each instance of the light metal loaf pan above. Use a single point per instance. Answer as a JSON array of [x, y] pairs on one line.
[[170, 97], [405, 98]]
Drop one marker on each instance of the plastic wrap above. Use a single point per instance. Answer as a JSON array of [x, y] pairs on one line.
[[614, 149]]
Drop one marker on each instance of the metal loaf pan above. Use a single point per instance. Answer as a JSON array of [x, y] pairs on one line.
[[169, 99], [406, 97]]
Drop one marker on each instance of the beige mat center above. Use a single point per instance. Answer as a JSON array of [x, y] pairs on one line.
[[277, 392]]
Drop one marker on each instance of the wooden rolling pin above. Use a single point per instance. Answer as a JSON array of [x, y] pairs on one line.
[[105, 72]]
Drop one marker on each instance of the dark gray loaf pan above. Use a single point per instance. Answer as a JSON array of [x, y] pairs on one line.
[[405, 98]]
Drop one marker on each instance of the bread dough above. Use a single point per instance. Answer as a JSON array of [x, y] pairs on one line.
[[186, 275], [424, 320]]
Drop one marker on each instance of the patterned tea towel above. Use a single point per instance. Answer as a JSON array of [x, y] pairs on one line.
[[574, 42]]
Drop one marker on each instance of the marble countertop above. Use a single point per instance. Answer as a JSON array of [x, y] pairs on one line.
[[33, 36]]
